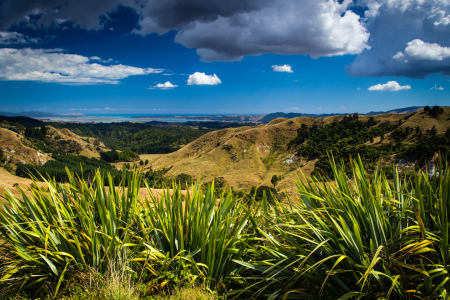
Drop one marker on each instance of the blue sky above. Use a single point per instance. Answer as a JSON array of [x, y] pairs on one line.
[[116, 58]]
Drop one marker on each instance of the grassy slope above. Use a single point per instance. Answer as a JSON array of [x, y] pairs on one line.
[[22, 150], [246, 156]]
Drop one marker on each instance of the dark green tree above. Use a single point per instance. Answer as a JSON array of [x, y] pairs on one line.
[[436, 111], [433, 131], [270, 192], [44, 131], [274, 180]]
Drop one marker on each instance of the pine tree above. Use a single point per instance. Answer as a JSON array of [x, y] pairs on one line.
[[433, 131]]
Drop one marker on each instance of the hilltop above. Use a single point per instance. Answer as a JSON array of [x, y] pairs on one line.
[[273, 116]]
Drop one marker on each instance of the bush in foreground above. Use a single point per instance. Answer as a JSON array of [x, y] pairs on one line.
[[365, 238]]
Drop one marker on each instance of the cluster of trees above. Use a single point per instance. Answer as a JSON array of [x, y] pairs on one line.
[[36, 133], [348, 137], [139, 138], [114, 156], [81, 165], [434, 112], [158, 179]]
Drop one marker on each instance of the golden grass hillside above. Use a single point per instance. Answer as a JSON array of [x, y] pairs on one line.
[[17, 149], [250, 156], [20, 150]]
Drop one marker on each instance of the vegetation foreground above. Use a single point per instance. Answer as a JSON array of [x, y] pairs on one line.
[[364, 237]]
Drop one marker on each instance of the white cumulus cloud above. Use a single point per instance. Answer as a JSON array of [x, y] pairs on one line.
[[418, 49], [199, 78], [50, 65], [164, 86], [283, 68], [390, 86]]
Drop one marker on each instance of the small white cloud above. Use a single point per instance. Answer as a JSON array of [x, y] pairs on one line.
[[390, 86], [199, 78], [435, 87], [8, 38], [163, 86], [358, 88], [110, 28], [420, 50], [283, 68], [293, 108]]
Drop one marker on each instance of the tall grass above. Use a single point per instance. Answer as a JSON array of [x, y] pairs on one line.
[[352, 238], [368, 237]]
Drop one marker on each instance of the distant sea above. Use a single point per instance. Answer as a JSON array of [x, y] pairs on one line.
[[122, 118]]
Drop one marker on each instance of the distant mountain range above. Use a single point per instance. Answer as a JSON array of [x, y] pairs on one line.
[[273, 116]]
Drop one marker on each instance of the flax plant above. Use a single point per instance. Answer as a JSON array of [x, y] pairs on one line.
[[366, 237], [206, 230], [62, 228]]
